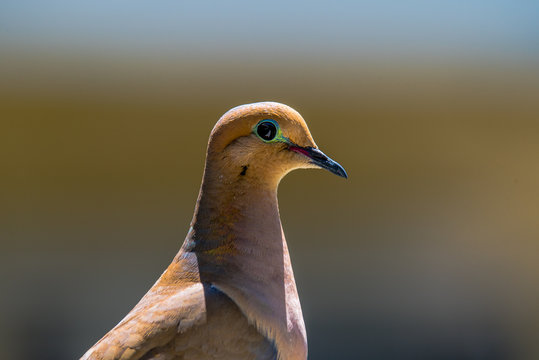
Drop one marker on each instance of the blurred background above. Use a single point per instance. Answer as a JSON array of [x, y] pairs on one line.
[[430, 249]]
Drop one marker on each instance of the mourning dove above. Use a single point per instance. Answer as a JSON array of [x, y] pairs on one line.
[[230, 291]]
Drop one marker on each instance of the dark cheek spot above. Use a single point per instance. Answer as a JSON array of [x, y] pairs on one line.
[[244, 170]]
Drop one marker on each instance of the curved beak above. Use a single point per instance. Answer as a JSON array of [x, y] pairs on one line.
[[320, 159]]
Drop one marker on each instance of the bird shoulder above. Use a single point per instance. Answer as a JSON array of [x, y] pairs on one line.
[[161, 314]]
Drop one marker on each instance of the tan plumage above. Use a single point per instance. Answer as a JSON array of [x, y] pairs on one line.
[[230, 291]]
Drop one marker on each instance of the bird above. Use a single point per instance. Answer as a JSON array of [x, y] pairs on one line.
[[230, 292]]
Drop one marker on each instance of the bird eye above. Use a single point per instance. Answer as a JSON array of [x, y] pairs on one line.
[[266, 130]]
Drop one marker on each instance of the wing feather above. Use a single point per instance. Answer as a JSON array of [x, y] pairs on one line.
[[161, 314]]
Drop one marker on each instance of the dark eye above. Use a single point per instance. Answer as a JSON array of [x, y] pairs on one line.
[[266, 130]]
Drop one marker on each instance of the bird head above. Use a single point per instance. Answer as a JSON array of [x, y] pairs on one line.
[[265, 141]]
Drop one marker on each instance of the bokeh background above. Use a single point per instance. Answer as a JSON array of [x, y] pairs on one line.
[[430, 249]]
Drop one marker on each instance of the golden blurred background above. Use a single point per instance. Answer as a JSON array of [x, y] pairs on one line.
[[428, 251]]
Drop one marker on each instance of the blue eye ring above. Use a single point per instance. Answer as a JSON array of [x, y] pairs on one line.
[[268, 130]]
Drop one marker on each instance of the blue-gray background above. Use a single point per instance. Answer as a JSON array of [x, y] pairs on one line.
[[429, 251]]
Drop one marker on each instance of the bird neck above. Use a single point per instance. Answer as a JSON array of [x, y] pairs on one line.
[[240, 248], [236, 211]]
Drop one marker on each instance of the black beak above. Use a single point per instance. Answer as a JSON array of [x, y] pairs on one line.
[[320, 159]]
